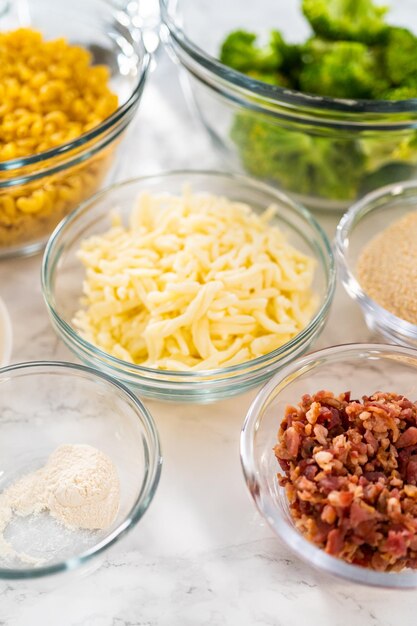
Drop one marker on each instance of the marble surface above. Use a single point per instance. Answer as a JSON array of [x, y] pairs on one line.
[[201, 555]]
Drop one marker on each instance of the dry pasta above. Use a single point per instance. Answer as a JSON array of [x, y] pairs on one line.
[[193, 282], [50, 94]]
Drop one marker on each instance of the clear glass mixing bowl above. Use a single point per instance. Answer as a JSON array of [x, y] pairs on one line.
[[325, 152], [63, 273], [56, 181], [364, 220], [47, 404], [360, 368], [6, 335]]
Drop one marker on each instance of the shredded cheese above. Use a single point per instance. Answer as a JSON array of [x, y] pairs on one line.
[[193, 282]]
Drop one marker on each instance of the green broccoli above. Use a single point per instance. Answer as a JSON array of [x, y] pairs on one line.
[[315, 165], [272, 78], [353, 55], [291, 57], [277, 63], [406, 92], [239, 51], [340, 69], [401, 56], [352, 20], [380, 151], [300, 162]]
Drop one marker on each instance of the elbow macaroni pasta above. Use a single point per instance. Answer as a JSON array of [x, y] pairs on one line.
[[193, 282], [31, 211], [50, 94]]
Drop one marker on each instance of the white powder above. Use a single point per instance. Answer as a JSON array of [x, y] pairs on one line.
[[79, 487]]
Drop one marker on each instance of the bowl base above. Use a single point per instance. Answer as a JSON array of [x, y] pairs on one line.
[[27, 250]]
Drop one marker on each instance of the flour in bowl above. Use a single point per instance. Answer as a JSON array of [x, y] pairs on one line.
[[78, 486]]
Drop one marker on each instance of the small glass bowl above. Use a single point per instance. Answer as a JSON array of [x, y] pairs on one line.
[[364, 220], [360, 368], [54, 182], [47, 404], [326, 152], [5, 335], [63, 273]]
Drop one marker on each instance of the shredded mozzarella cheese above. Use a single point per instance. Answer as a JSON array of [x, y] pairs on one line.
[[193, 282]]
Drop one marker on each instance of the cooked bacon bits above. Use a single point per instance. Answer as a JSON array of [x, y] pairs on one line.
[[350, 474]]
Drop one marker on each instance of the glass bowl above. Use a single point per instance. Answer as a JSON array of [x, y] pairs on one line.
[[361, 368], [61, 403], [54, 182], [62, 278], [5, 335], [326, 152], [365, 219]]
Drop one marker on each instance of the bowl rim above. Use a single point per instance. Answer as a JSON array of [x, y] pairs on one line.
[[149, 483], [273, 93], [302, 548], [352, 217], [108, 123], [241, 180], [6, 332]]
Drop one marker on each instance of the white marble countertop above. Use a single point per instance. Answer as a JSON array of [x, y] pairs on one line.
[[201, 555]]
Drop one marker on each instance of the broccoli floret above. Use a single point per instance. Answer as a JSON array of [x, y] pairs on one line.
[[400, 93], [352, 20], [239, 51], [292, 64], [389, 160], [380, 151], [401, 56], [314, 165], [300, 162], [355, 56], [272, 78], [290, 54], [340, 69], [275, 63]]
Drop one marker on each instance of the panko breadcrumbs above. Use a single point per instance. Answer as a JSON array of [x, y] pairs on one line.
[[50, 94], [387, 268]]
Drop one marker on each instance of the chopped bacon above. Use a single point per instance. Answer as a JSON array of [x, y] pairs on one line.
[[328, 514], [361, 512], [350, 474], [329, 483], [341, 499], [292, 441], [407, 438], [374, 476], [335, 419], [395, 544], [308, 469], [371, 440], [285, 465], [412, 471], [334, 543]]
